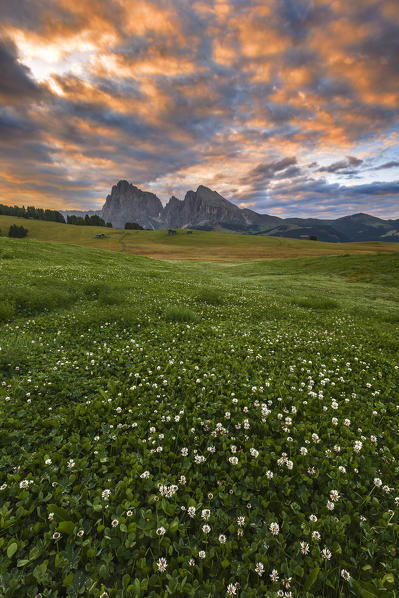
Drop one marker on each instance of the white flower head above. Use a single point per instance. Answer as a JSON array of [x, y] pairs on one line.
[[222, 539], [161, 531], [259, 569], [162, 564], [274, 575], [326, 554], [274, 528]]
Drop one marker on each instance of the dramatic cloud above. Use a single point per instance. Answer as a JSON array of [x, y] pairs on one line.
[[16, 82], [391, 164], [342, 165], [287, 106], [262, 173]]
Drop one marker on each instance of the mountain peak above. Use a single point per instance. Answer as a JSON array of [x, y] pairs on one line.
[[202, 188], [127, 203]]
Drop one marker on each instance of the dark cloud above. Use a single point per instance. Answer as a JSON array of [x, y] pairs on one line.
[[311, 197], [262, 173], [13, 127], [16, 83], [342, 166], [391, 164]]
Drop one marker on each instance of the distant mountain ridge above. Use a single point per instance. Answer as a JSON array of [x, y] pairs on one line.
[[205, 209]]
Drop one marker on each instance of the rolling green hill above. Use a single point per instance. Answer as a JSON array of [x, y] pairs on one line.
[[200, 245]]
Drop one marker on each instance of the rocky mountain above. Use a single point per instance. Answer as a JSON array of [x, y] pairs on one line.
[[205, 209], [128, 203]]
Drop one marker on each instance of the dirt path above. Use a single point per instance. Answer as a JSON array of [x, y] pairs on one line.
[[122, 243]]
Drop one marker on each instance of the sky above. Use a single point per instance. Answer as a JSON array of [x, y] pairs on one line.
[[288, 107]]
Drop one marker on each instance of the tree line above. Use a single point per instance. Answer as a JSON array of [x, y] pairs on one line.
[[88, 221], [133, 226], [32, 213]]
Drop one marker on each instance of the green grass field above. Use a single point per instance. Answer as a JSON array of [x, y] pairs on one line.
[[197, 428], [200, 245]]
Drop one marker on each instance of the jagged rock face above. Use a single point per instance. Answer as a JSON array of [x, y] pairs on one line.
[[171, 214], [127, 203], [203, 207]]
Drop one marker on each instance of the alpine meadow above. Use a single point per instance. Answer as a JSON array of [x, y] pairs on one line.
[[180, 428]]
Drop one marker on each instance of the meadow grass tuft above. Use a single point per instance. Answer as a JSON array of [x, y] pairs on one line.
[[16, 352], [32, 300], [96, 316], [7, 310], [108, 296], [180, 313], [318, 303], [210, 295]]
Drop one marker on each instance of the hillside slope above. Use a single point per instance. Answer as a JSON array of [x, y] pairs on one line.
[[200, 245]]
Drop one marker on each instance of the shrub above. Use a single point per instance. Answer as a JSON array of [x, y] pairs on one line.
[[17, 232], [210, 295], [315, 303], [180, 313], [7, 310], [133, 226]]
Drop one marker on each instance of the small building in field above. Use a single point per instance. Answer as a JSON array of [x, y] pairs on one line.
[[171, 231]]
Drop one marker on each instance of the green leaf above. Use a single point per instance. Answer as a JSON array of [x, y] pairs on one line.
[[298, 570], [311, 578], [125, 580], [363, 591], [388, 578], [59, 513], [66, 526], [12, 549], [39, 572], [68, 580]]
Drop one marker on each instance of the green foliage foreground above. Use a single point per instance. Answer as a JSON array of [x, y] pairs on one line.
[[174, 429]]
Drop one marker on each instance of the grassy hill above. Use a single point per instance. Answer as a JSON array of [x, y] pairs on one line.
[[200, 245], [254, 393]]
